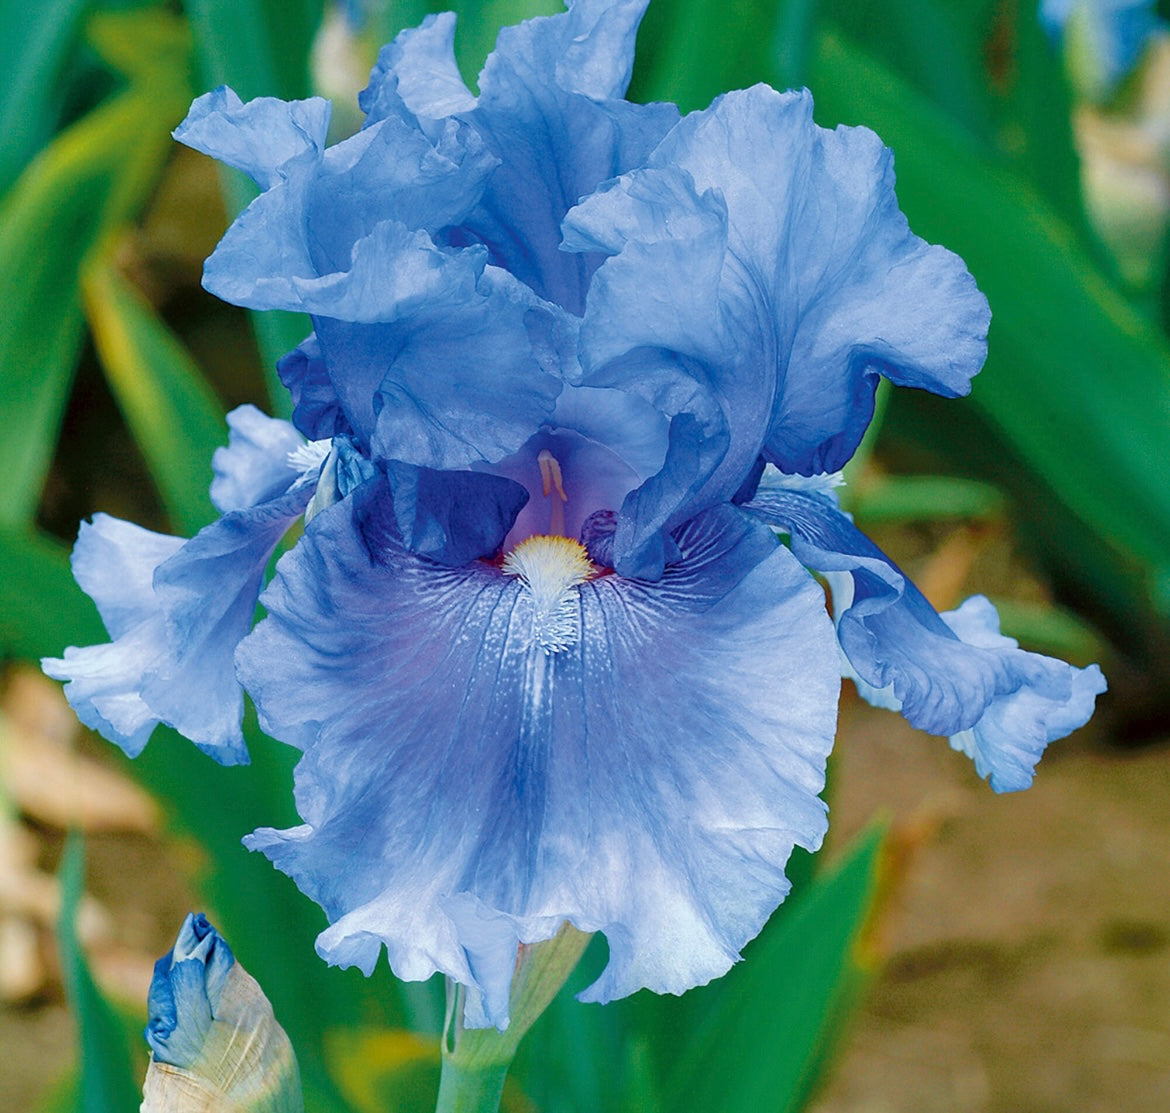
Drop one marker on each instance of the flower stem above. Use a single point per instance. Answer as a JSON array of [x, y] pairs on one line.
[[476, 1060], [475, 1090]]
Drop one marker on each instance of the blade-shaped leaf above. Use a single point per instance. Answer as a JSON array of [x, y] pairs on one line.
[[770, 1023], [1077, 382], [691, 51], [42, 610], [34, 40], [95, 174], [108, 1077], [174, 415]]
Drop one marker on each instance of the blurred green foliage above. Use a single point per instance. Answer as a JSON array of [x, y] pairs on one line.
[[1070, 420]]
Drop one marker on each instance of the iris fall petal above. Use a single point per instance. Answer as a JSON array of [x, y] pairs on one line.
[[678, 738], [951, 674]]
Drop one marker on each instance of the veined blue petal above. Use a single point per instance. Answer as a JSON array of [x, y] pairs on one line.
[[604, 443], [317, 410], [175, 611], [417, 75], [549, 111], [455, 380], [255, 465], [589, 49], [951, 674], [647, 780], [266, 138], [800, 268], [452, 517]]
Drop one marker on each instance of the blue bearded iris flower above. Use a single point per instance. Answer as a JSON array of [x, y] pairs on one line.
[[575, 362]]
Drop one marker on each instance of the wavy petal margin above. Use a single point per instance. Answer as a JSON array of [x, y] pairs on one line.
[[952, 674], [648, 781]]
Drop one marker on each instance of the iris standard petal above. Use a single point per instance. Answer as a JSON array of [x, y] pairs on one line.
[[455, 380], [549, 109], [948, 674], [266, 137], [673, 242], [317, 410], [812, 284], [647, 778], [302, 244], [417, 75], [255, 465]]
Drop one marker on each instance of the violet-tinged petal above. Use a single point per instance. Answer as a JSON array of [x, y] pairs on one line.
[[455, 381], [452, 517], [548, 108], [317, 410], [953, 674], [255, 465], [649, 780], [604, 443]]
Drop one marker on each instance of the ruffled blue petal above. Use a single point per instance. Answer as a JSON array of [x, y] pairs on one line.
[[114, 563], [763, 263], [455, 380], [648, 781], [951, 674], [452, 517], [317, 411], [416, 76], [175, 611], [605, 443], [255, 465], [545, 108], [307, 243], [268, 139], [550, 113], [1013, 732]]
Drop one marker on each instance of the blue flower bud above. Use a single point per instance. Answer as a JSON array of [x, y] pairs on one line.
[[214, 1041]]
